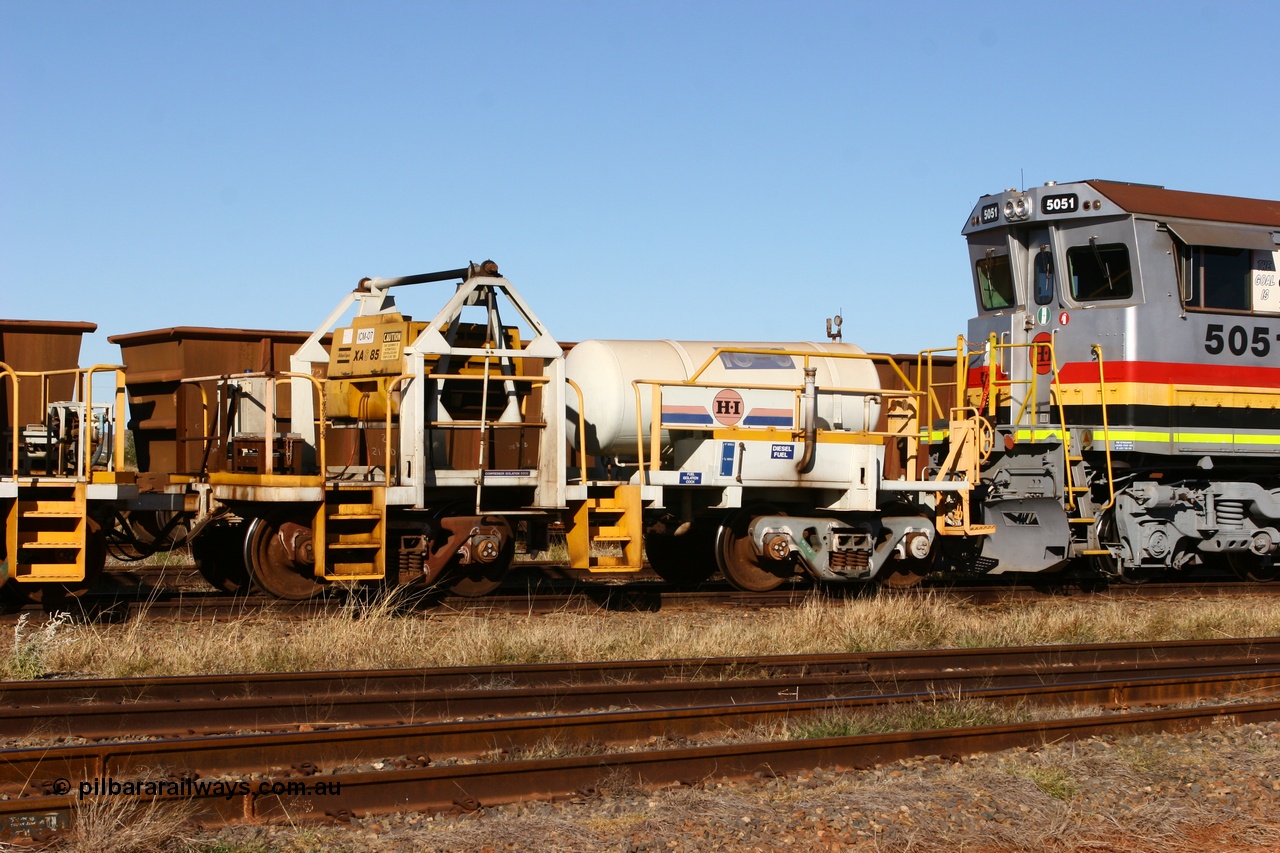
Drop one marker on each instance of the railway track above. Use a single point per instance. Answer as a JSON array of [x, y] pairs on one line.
[[450, 738]]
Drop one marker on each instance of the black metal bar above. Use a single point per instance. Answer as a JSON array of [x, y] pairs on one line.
[[423, 278]]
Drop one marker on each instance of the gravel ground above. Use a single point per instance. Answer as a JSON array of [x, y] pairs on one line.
[[1216, 789]]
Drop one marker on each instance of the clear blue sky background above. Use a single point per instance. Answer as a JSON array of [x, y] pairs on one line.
[[697, 170]]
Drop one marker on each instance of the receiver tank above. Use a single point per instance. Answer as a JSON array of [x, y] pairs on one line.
[[605, 371]]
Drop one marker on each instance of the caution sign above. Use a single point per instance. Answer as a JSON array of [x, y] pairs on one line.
[[1041, 353]]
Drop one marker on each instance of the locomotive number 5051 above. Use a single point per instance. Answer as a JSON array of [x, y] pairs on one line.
[[1238, 340]]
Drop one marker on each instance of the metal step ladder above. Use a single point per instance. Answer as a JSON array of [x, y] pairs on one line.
[[351, 534], [613, 517], [50, 532]]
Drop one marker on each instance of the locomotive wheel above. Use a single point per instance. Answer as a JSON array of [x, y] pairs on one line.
[[682, 561], [1110, 566], [739, 563], [219, 554], [1251, 567], [480, 579], [275, 551]]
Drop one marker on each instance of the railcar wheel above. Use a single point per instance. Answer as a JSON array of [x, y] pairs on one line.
[[219, 554], [738, 561], [279, 557], [682, 561], [479, 579], [1251, 567]]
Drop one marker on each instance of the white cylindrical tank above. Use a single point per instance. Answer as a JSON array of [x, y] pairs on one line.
[[605, 371]]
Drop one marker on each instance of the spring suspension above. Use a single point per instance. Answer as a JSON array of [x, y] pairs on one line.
[[846, 562], [1230, 513]]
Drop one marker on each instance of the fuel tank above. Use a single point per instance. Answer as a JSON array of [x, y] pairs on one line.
[[605, 371]]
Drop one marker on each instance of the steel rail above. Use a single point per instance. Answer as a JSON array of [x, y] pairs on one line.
[[884, 666], [470, 785], [272, 713]]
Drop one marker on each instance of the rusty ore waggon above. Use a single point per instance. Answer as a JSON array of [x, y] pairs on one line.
[[1111, 409]]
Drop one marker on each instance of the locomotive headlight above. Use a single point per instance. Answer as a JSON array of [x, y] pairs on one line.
[[1016, 208]]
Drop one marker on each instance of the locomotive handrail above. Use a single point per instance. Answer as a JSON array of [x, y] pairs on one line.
[[1106, 428], [993, 384], [269, 437]]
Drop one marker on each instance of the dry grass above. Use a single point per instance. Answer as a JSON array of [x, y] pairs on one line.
[[383, 636], [126, 825]]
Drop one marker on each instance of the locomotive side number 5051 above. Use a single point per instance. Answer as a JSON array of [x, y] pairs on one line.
[[1238, 340]]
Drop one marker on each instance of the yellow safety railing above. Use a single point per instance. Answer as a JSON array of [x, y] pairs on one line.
[[10, 374], [82, 400], [910, 394], [269, 413], [582, 430]]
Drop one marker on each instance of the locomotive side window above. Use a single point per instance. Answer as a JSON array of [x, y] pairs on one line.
[[995, 281], [1216, 278], [1044, 277], [1100, 271]]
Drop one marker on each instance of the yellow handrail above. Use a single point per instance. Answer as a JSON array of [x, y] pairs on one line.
[[1106, 429], [13, 415], [269, 438], [582, 430]]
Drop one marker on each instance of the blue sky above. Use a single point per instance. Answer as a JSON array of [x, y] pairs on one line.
[[691, 170]]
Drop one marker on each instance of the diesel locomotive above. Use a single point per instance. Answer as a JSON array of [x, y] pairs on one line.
[[1129, 364], [1112, 408]]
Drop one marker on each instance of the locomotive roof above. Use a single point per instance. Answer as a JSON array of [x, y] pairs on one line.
[[1158, 201]]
